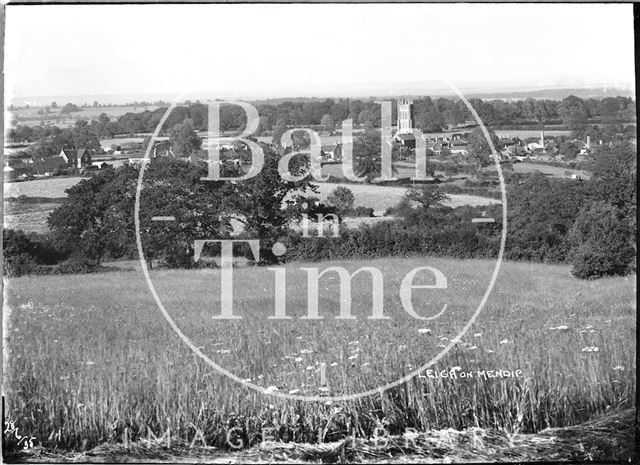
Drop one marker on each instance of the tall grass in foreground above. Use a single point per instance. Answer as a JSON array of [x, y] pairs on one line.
[[90, 356]]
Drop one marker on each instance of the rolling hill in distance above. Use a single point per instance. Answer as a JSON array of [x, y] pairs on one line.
[[348, 91]]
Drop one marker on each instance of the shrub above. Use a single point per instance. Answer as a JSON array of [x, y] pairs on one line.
[[342, 198], [601, 242], [361, 212], [25, 253]]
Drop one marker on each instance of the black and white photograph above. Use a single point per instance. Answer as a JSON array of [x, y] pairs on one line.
[[319, 232]]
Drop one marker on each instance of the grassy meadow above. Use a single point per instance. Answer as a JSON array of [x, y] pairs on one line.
[[89, 357]]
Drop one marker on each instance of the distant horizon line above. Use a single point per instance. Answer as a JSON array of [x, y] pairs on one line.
[[271, 95]]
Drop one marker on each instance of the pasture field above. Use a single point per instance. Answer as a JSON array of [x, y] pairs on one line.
[[90, 112], [382, 197], [89, 357], [51, 187], [28, 217], [377, 197], [520, 133], [548, 170]]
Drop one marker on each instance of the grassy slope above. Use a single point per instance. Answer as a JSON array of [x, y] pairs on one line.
[[90, 355]]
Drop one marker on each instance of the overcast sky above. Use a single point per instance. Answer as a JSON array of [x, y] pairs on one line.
[[305, 50]]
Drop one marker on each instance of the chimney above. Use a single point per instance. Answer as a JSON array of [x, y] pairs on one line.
[[588, 142]]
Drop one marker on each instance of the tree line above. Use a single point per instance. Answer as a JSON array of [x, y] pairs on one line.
[[590, 224], [430, 114]]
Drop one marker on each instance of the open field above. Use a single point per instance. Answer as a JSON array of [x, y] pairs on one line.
[[90, 355], [29, 217], [382, 197], [552, 171], [377, 197], [520, 133], [24, 114], [51, 187]]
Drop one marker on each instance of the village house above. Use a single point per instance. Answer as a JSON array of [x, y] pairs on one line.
[[458, 145], [436, 145], [332, 152], [509, 142], [161, 149], [75, 158]]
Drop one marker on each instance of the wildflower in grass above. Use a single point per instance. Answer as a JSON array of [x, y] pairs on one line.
[[506, 341], [323, 389], [353, 356], [298, 359], [90, 362], [618, 368], [424, 331], [441, 345], [472, 348], [477, 335], [489, 351], [309, 368], [306, 351], [590, 348]]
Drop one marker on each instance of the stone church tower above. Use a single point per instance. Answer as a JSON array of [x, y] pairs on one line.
[[405, 116]]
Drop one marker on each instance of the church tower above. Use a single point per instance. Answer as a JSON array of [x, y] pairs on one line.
[[405, 116]]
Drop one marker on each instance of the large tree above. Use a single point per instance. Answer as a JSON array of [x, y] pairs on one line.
[[262, 202], [479, 148], [84, 138], [96, 220], [328, 123], [574, 113], [183, 138], [601, 245], [69, 108], [367, 155]]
